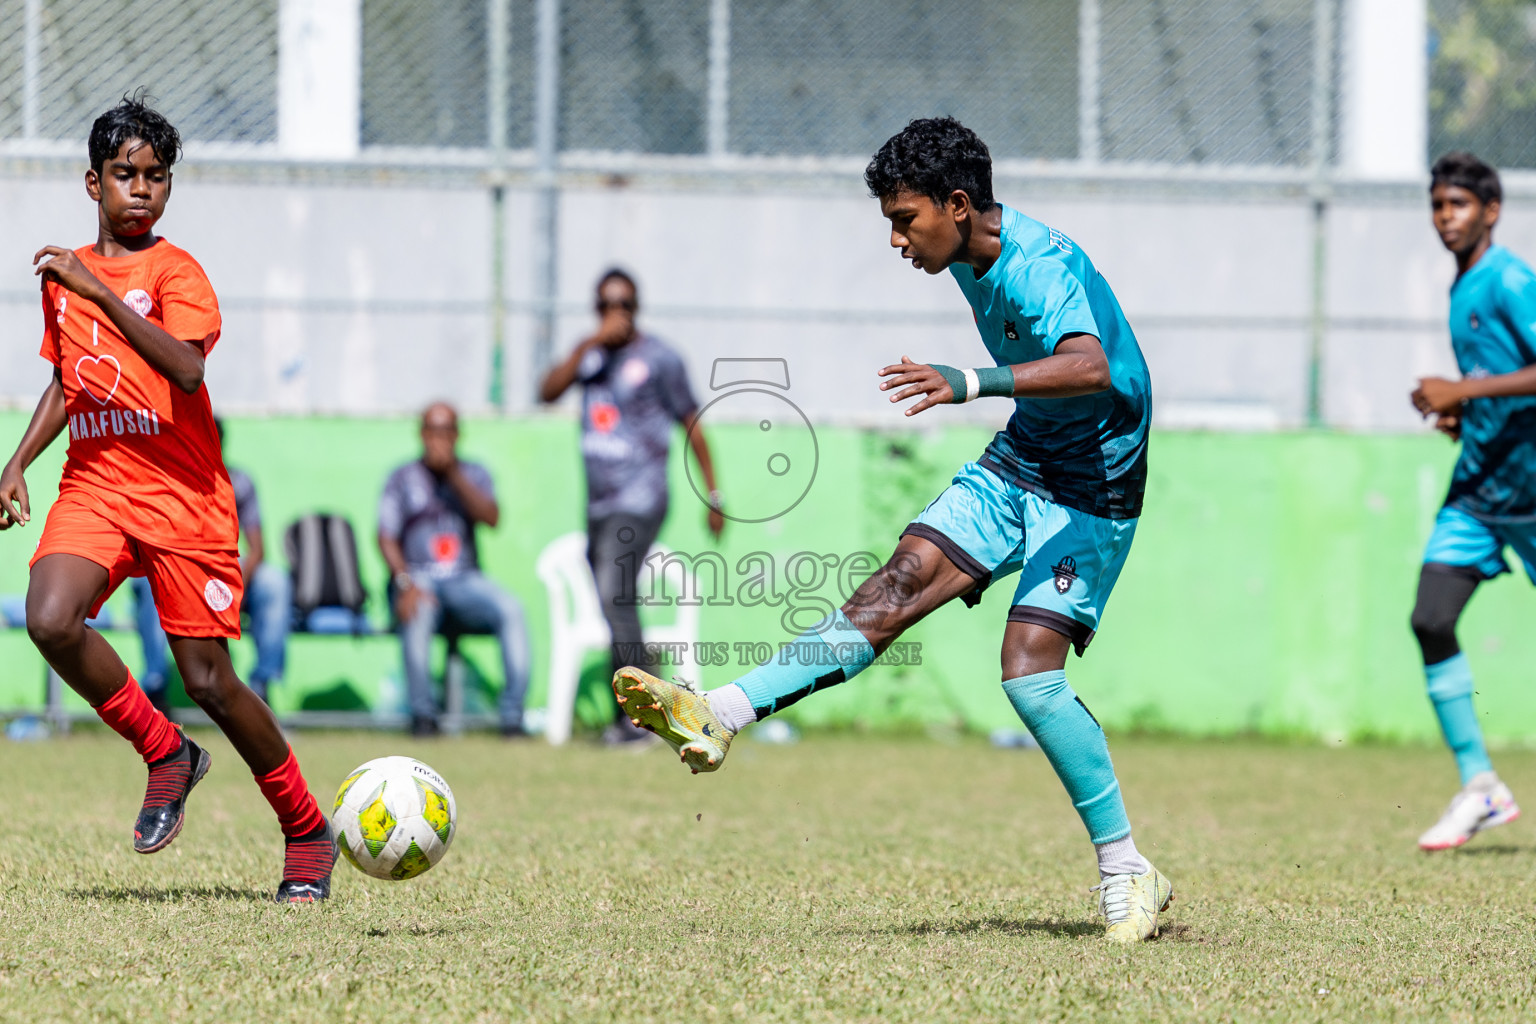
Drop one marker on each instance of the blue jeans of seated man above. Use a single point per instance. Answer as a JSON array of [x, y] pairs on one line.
[[268, 602], [477, 604]]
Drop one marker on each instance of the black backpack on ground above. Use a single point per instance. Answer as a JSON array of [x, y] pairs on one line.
[[322, 554]]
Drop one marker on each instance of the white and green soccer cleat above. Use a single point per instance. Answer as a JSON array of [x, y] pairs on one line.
[[1483, 803], [678, 713], [1131, 903]]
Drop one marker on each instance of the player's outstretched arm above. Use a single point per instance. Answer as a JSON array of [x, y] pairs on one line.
[[47, 422], [179, 361], [1077, 367], [1438, 396]]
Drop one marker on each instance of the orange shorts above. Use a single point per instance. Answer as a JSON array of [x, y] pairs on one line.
[[197, 592]]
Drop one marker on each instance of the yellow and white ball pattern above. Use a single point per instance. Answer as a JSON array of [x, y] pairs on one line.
[[394, 817]]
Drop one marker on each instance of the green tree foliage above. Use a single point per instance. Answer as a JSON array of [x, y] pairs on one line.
[[1482, 82]]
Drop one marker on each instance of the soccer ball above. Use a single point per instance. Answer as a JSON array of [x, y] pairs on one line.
[[394, 818]]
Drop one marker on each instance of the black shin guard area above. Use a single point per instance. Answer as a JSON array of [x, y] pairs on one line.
[[819, 683], [1444, 591]]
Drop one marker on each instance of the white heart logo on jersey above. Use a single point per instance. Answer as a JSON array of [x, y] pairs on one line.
[[93, 378]]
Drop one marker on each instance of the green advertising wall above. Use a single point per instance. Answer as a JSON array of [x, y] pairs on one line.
[[1268, 590]]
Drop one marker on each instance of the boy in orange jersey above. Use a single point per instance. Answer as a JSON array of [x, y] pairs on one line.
[[128, 325]]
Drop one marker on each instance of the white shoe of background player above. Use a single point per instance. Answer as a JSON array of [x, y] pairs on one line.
[[1483, 803]]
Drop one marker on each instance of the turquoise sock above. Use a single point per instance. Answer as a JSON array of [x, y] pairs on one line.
[[830, 652], [1450, 688], [1074, 744]]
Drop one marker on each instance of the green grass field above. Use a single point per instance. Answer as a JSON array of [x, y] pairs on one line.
[[841, 879]]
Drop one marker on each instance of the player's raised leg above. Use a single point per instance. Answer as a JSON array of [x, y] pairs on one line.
[[63, 590], [211, 682], [917, 579], [1444, 590]]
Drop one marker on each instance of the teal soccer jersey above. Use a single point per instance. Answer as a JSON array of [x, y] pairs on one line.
[[1090, 452], [1493, 331]]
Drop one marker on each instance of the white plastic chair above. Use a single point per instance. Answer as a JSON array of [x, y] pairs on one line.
[[576, 625]]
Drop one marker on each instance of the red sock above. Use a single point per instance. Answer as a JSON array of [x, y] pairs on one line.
[[288, 793], [135, 719]]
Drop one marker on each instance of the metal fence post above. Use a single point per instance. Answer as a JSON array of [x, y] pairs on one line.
[[717, 117], [31, 67], [546, 148], [1089, 144], [499, 38], [1320, 191]]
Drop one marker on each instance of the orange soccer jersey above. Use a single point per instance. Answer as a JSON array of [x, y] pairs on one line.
[[142, 453]]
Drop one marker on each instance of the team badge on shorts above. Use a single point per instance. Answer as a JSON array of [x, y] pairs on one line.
[[218, 595], [1065, 572]]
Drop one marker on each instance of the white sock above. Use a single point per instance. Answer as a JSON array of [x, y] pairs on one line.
[[1120, 857], [731, 706]]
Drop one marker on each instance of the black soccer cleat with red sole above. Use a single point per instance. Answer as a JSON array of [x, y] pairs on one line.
[[165, 799], [307, 864]]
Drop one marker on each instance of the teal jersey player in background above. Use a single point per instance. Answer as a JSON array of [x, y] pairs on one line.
[[1054, 498], [1491, 503]]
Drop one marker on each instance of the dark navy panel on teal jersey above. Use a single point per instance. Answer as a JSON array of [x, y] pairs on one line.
[[1493, 330], [1088, 453]]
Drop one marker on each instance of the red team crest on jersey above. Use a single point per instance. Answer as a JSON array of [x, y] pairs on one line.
[[446, 548], [605, 416]]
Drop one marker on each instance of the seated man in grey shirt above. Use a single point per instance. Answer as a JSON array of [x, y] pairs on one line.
[[634, 389], [427, 519]]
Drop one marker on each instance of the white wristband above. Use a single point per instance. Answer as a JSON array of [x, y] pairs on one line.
[[972, 385]]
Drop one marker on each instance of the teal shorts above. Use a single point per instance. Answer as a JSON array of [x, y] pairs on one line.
[[1067, 561]]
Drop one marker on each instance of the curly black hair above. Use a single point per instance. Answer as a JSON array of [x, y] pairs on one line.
[[133, 118], [1466, 171], [933, 156]]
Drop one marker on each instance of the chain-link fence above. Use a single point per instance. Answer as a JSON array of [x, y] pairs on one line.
[[213, 64], [1208, 81], [1141, 81], [518, 118]]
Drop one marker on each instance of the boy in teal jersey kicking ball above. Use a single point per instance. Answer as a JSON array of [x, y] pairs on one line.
[[1055, 497], [1491, 503]]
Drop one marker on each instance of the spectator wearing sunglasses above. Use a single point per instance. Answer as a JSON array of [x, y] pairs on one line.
[[634, 388]]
